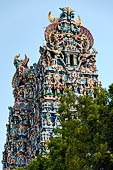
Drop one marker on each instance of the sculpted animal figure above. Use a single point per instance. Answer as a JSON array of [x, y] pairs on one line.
[[21, 66]]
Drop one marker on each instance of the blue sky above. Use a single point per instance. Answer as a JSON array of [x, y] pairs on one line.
[[22, 25]]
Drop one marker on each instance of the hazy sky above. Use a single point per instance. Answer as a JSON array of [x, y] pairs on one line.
[[22, 25]]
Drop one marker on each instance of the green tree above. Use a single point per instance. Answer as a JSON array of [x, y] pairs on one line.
[[67, 151], [87, 141], [18, 168], [41, 163]]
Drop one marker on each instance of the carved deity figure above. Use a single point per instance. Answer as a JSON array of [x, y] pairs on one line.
[[21, 66]]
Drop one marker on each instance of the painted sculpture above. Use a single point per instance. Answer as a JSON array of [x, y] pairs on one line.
[[67, 61]]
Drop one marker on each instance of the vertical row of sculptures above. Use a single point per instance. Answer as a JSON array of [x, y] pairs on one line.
[[67, 61], [22, 129]]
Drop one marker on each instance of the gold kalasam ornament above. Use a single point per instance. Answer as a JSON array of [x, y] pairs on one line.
[[67, 9]]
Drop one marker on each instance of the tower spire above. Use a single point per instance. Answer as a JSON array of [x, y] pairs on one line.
[[67, 60]]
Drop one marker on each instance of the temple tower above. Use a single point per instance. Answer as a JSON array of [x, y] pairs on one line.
[[67, 61]]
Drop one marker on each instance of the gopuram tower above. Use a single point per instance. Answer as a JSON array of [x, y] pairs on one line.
[[67, 61]]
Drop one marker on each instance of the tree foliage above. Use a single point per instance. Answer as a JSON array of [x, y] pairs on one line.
[[41, 163], [85, 141], [18, 168]]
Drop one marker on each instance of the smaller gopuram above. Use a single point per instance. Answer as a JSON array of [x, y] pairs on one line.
[[67, 61]]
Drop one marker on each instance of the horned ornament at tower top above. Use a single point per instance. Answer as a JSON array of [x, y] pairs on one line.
[[67, 14]]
